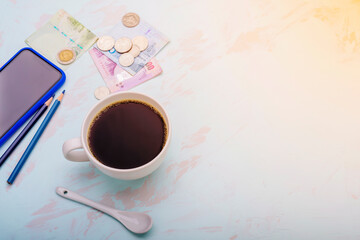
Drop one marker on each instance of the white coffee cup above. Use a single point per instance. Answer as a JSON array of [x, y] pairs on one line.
[[77, 149]]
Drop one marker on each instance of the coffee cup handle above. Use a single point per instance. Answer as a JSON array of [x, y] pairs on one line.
[[73, 150]]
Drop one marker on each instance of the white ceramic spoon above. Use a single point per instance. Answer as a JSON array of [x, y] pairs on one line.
[[133, 221]]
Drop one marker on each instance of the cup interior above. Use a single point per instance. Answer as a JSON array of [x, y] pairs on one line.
[[113, 99]]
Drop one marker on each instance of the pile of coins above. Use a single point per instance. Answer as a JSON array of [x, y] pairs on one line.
[[129, 48]]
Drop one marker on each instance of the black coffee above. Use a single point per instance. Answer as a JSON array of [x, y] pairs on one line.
[[127, 134]]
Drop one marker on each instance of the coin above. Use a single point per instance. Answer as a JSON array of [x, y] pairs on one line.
[[130, 20], [101, 92], [126, 59], [123, 44], [105, 43], [135, 51], [66, 56], [141, 42]]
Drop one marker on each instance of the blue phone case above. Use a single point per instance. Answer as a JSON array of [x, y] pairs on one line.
[[37, 105]]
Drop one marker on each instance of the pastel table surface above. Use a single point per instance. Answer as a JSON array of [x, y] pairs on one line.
[[264, 102]]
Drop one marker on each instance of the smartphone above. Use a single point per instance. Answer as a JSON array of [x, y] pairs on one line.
[[27, 81]]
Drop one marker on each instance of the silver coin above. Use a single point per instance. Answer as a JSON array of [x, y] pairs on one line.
[[123, 44], [141, 42], [126, 59], [105, 43], [135, 51], [101, 92]]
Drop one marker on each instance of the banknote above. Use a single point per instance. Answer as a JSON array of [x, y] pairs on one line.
[[62, 31], [156, 42], [116, 78]]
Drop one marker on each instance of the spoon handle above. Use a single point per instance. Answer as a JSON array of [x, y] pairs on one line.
[[66, 193]]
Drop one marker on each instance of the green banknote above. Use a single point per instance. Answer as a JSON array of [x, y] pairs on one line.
[[62, 31]]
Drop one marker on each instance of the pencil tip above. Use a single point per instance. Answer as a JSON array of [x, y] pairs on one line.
[[47, 103], [61, 96], [63, 91], [9, 182], [53, 95]]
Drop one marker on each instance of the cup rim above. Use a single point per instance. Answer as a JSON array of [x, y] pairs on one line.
[[117, 170]]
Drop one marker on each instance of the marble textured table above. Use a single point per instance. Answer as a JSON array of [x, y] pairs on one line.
[[264, 102]]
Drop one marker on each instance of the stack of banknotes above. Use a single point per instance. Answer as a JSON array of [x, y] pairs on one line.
[[116, 78], [64, 34]]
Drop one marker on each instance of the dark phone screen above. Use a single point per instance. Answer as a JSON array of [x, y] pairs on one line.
[[23, 82]]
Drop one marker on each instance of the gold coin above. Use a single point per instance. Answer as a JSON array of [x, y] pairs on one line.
[[130, 20], [66, 56]]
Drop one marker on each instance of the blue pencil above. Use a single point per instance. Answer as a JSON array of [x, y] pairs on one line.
[[35, 139], [26, 129]]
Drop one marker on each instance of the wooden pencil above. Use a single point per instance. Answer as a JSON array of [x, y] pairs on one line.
[[35, 139], [26, 129]]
